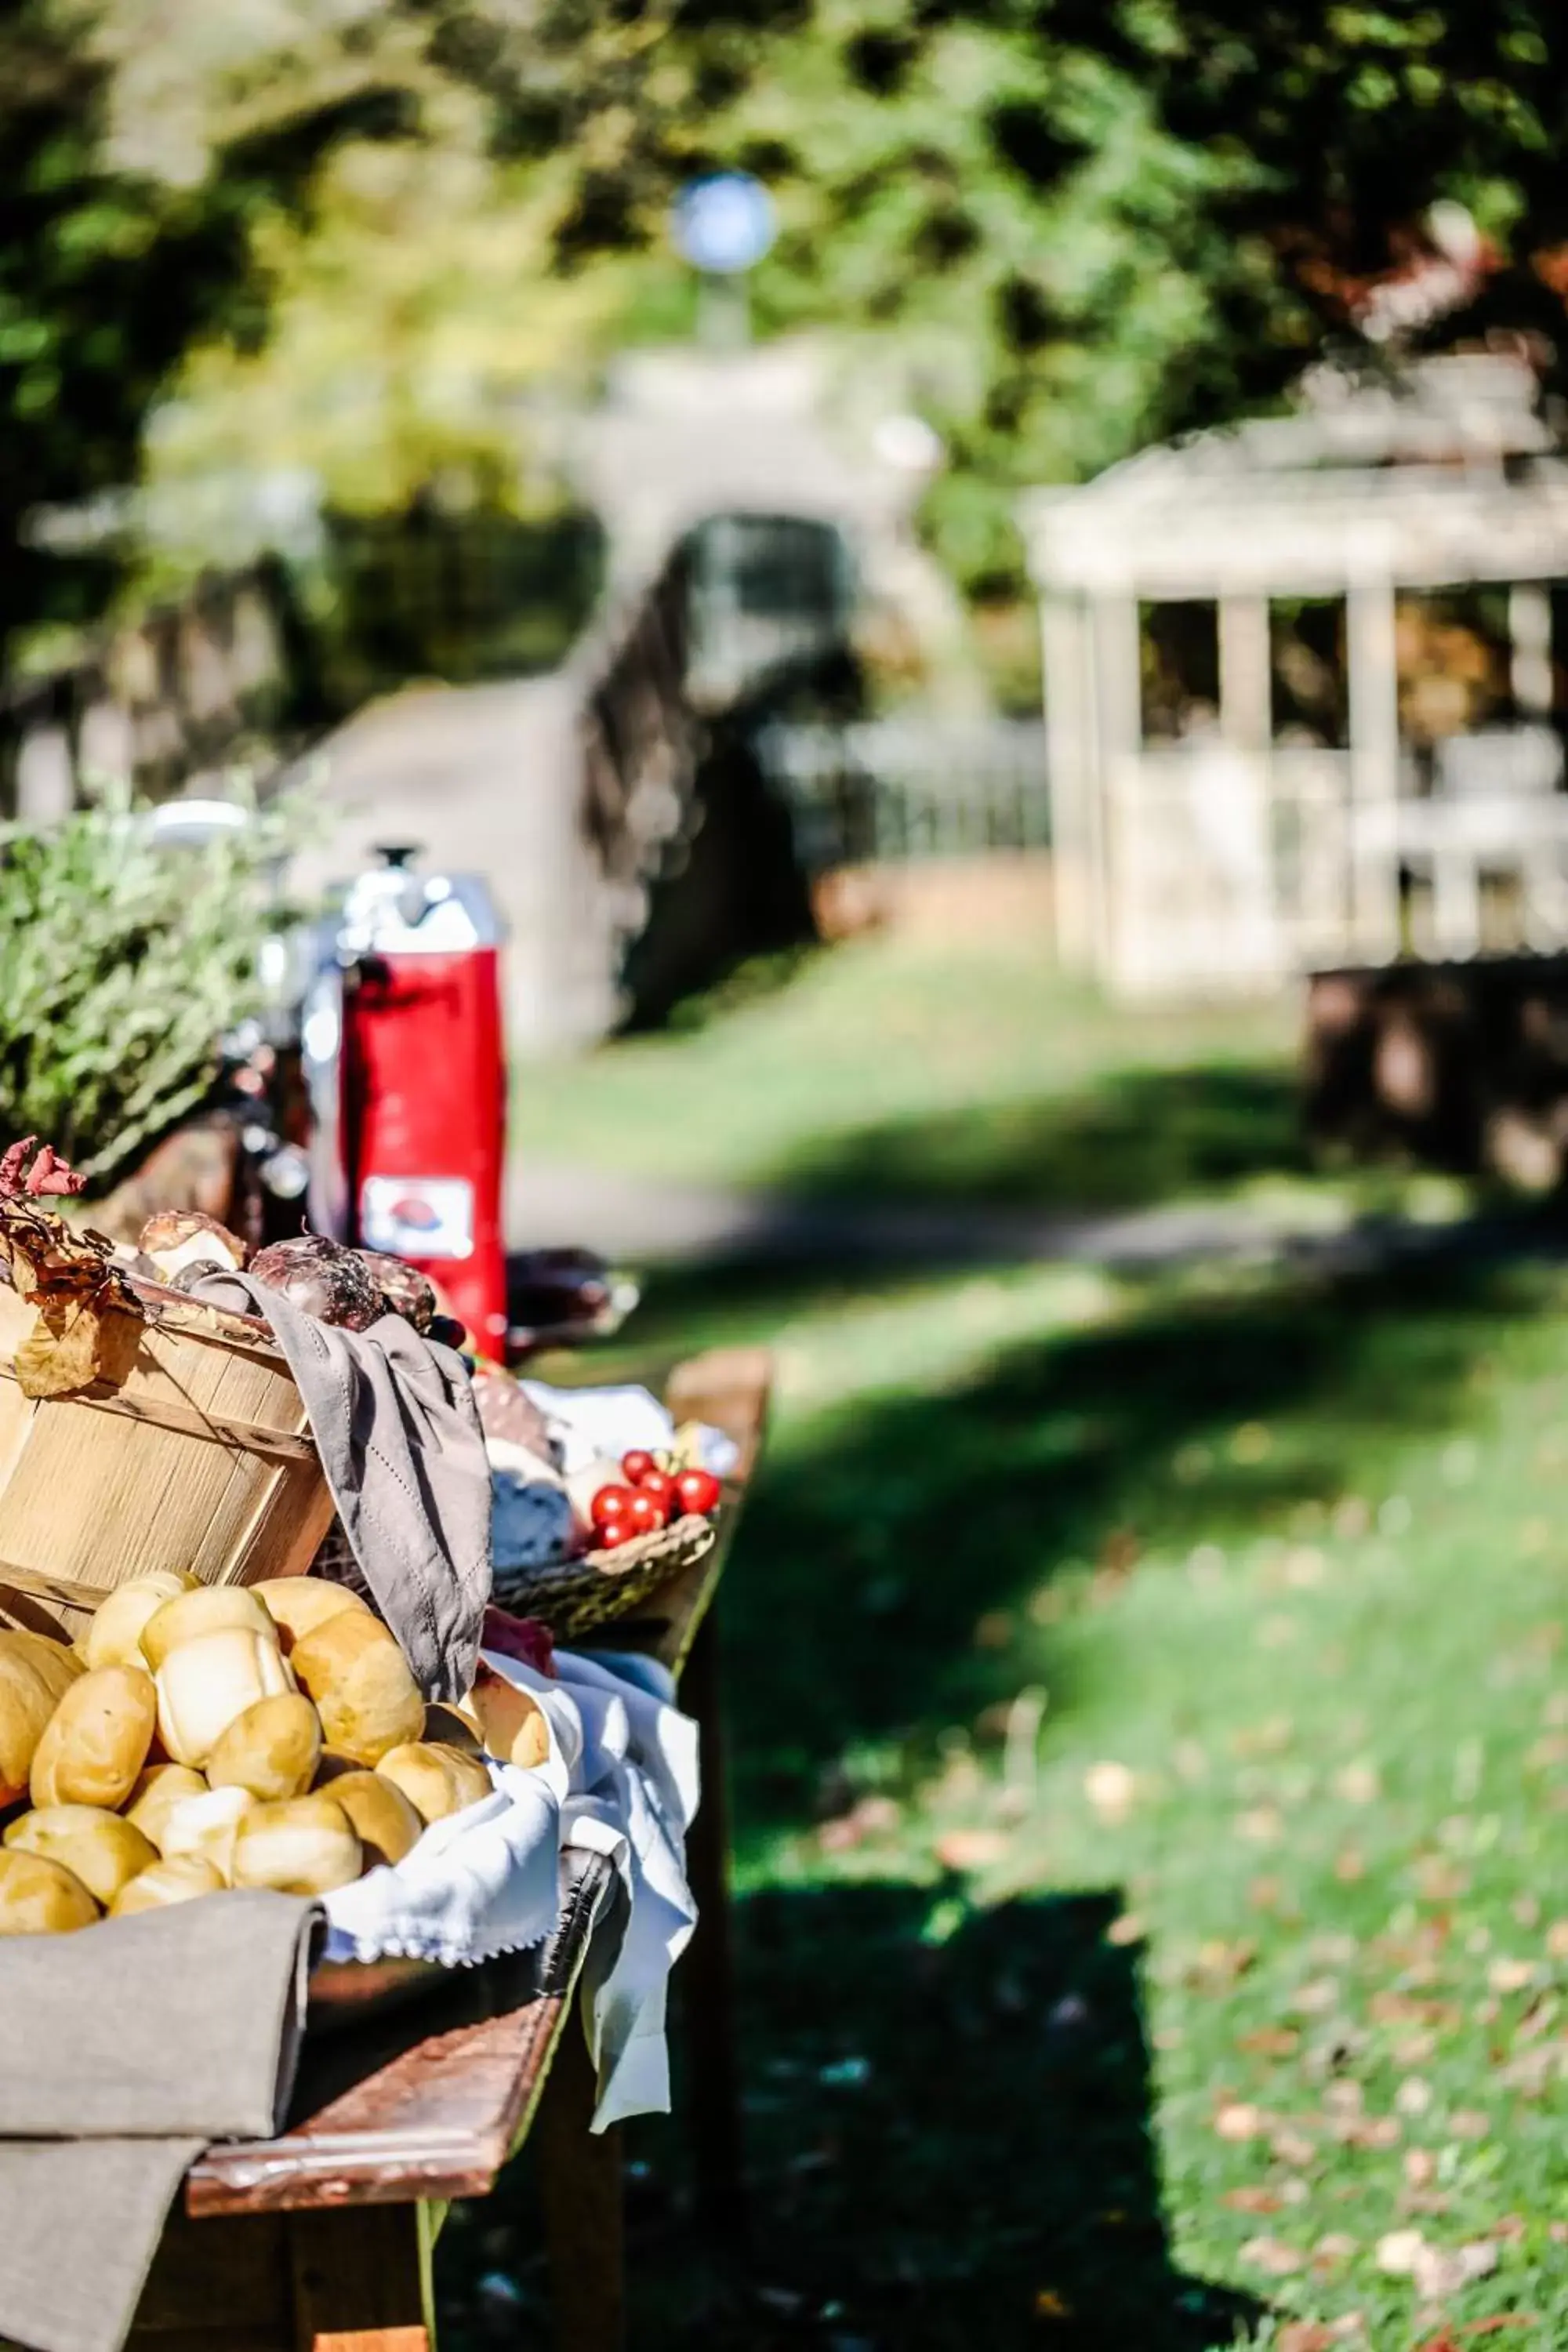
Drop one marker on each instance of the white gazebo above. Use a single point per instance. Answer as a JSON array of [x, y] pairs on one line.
[[1238, 855]]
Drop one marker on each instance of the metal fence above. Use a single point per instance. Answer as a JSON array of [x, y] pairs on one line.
[[902, 788]]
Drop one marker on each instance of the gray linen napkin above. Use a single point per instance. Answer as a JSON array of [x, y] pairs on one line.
[[125, 2049], [399, 1438]]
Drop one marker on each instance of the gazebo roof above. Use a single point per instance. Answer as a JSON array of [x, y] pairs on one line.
[[1449, 473]]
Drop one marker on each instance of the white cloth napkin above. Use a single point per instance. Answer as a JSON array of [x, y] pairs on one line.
[[588, 1423], [621, 1778]]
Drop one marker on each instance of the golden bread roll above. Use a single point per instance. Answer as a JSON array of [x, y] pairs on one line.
[[202, 1684], [96, 1742], [272, 1750], [180, 1879], [114, 1636], [210, 1609], [452, 1726], [304, 1846], [435, 1780], [40, 1897], [32, 1685], [380, 1815], [208, 1825], [158, 1791], [367, 1699], [511, 1721], [298, 1604], [102, 1851]]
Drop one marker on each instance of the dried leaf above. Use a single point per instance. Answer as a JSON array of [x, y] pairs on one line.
[[1252, 2200], [72, 1344], [1271, 2040], [1262, 1825], [1237, 2120], [1293, 2147], [1397, 2251], [1439, 2271], [1110, 1788], [1358, 1784], [1505, 1976], [970, 1849], [1307, 2335], [1273, 2257], [1413, 2096], [1420, 2167]]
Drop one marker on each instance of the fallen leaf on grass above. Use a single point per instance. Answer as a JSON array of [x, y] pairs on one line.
[[1260, 1825], [1272, 2041], [1273, 2257], [1413, 2096], [1316, 1998], [1441, 1880], [1441, 2269], [1468, 2122], [970, 1849], [1557, 1940], [1437, 2270], [1110, 1788], [1128, 1929], [1420, 2167], [1307, 2335], [1237, 2121], [1505, 1976], [1252, 2200], [1217, 1966], [1331, 2251], [1293, 2147], [1349, 1866], [1358, 1784]]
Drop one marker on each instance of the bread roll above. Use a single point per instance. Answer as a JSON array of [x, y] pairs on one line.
[[96, 1742], [103, 1850], [114, 1636], [435, 1780], [380, 1815], [367, 1699], [210, 1609], [451, 1727], [207, 1825], [179, 1880], [204, 1683], [303, 1847], [158, 1791], [35, 1675], [511, 1720], [272, 1750], [40, 1897], [298, 1604]]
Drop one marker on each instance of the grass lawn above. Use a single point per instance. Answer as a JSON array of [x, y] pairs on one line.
[[1150, 1723]]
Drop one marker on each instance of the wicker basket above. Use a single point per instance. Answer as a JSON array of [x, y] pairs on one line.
[[201, 1459], [574, 1596]]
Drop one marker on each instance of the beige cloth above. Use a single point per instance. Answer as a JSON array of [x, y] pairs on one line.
[[125, 2049], [399, 1438]]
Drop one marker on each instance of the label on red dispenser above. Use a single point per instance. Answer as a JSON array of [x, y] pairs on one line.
[[417, 1217]]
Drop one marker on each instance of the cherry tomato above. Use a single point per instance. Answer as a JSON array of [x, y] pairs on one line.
[[644, 1514], [610, 1505], [637, 1464], [697, 1490], [661, 1487], [619, 1531]]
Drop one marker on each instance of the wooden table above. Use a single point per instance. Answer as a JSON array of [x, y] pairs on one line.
[[319, 2240]]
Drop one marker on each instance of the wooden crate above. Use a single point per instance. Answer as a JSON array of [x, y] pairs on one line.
[[202, 1460]]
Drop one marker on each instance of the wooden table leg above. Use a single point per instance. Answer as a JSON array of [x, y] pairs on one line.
[[705, 1980], [580, 2190], [362, 2279]]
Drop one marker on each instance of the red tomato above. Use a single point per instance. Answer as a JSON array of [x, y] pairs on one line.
[[609, 1504], [644, 1514], [619, 1531], [637, 1464], [661, 1487], [697, 1490]]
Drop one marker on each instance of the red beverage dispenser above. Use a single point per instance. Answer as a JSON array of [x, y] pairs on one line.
[[410, 1092]]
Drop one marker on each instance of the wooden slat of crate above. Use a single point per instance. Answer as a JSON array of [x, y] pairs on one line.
[[93, 1491]]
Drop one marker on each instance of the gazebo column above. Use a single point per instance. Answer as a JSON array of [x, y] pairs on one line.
[[1071, 773], [1530, 649], [1373, 683], [1118, 707], [1245, 684]]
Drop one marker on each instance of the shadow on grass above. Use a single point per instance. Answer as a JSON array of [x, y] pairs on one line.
[[881, 1532], [949, 2148], [1132, 1140]]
